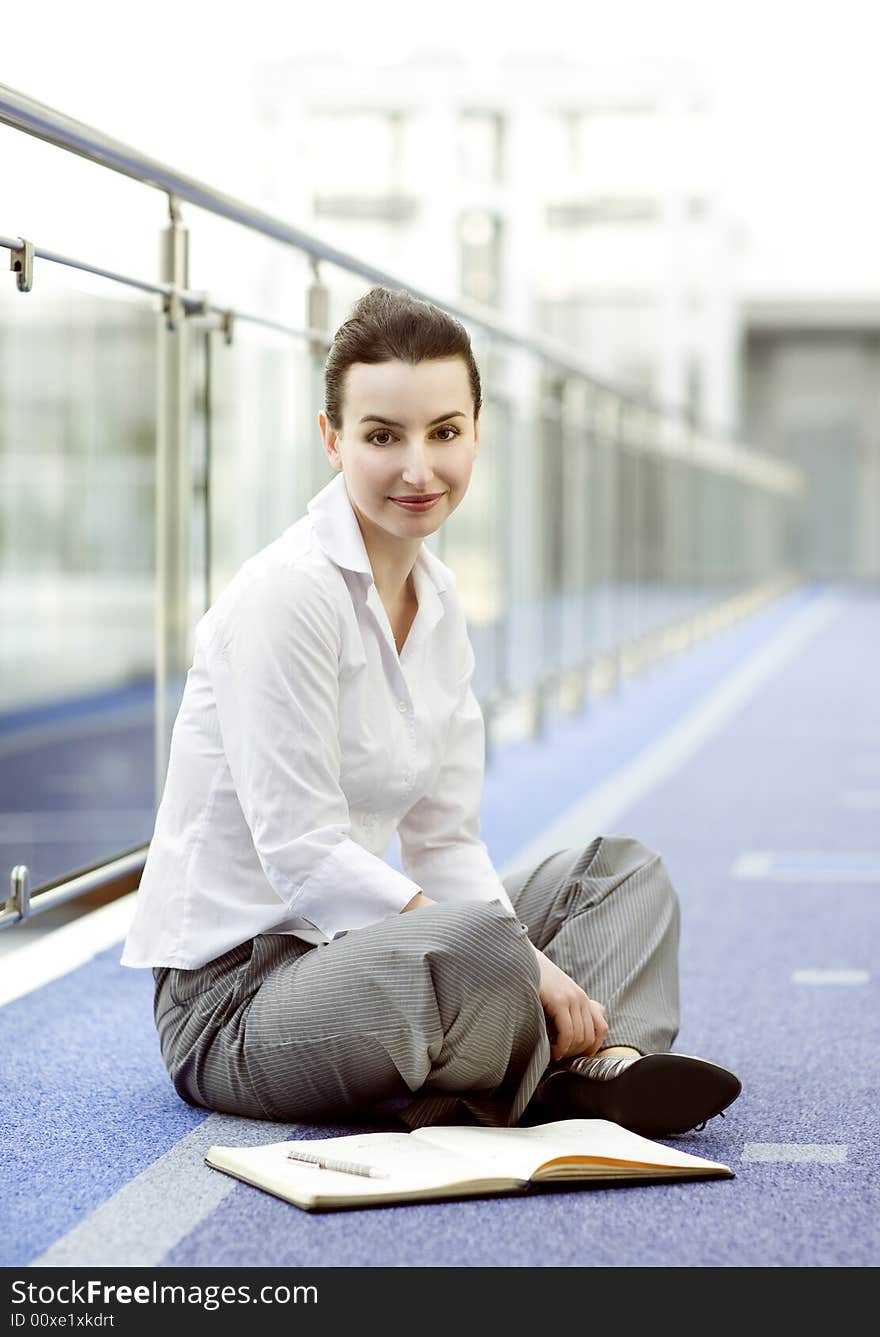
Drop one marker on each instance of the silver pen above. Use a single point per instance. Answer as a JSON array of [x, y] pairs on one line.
[[328, 1163]]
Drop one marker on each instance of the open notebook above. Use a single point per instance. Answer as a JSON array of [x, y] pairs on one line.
[[458, 1161]]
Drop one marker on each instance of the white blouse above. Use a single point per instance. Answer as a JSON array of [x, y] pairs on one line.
[[303, 741]]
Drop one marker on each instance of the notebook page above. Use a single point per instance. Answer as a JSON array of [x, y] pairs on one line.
[[398, 1153], [410, 1164], [518, 1152]]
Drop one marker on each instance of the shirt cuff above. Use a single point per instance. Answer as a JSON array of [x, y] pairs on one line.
[[351, 889], [461, 872]]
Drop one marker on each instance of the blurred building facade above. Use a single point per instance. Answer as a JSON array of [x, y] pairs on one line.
[[592, 204]]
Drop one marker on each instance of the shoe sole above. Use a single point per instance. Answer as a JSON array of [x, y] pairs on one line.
[[658, 1094]]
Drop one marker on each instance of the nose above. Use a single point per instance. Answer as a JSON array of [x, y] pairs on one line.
[[417, 470]]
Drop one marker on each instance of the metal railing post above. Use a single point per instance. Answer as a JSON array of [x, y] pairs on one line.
[[317, 319], [173, 487]]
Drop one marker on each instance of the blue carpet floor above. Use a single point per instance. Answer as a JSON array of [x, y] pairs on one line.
[[103, 1162]]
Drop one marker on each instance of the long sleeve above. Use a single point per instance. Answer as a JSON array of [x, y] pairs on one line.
[[273, 664], [440, 845]]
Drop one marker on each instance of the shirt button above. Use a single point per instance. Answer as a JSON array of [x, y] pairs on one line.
[[402, 707]]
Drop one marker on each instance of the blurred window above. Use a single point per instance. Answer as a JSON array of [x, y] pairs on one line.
[[480, 145], [609, 209], [479, 235], [359, 148]]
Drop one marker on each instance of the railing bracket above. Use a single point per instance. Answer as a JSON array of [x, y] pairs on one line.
[[21, 261], [172, 305], [19, 891]]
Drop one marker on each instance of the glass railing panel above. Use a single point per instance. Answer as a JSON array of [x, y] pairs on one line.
[[526, 622], [77, 572], [474, 544], [576, 520], [691, 488], [552, 522], [628, 554], [256, 444], [652, 573], [595, 543], [266, 457], [702, 537], [605, 608], [681, 539]]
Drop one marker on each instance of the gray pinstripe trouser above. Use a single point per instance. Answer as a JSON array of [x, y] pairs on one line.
[[440, 1006]]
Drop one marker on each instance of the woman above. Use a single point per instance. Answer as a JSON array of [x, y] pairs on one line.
[[329, 703]]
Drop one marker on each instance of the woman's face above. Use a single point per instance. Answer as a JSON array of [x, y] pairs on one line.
[[426, 444]]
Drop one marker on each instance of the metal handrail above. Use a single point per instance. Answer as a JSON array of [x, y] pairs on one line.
[[22, 903], [54, 127]]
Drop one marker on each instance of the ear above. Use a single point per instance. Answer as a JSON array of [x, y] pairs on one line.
[[329, 439]]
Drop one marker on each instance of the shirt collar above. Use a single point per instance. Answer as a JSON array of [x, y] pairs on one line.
[[339, 534]]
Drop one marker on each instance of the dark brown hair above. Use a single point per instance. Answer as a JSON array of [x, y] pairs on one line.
[[388, 324]]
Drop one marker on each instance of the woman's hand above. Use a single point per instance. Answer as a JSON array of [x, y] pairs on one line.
[[575, 1023]]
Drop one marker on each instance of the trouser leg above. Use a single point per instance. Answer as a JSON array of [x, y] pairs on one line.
[[608, 915], [441, 1000], [445, 997]]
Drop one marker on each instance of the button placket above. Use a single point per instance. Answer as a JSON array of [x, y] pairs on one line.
[[409, 774]]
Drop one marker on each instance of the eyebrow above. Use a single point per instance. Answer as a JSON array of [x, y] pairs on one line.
[[387, 422]]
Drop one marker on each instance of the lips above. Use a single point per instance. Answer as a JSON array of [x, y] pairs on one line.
[[417, 503]]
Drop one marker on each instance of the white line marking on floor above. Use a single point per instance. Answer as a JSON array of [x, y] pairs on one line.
[[54, 954], [829, 977], [807, 866], [752, 865], [600, 808], [826, 1153], [149, 1216]]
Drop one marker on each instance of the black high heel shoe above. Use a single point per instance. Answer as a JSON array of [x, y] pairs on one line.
[[654, 1094]]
